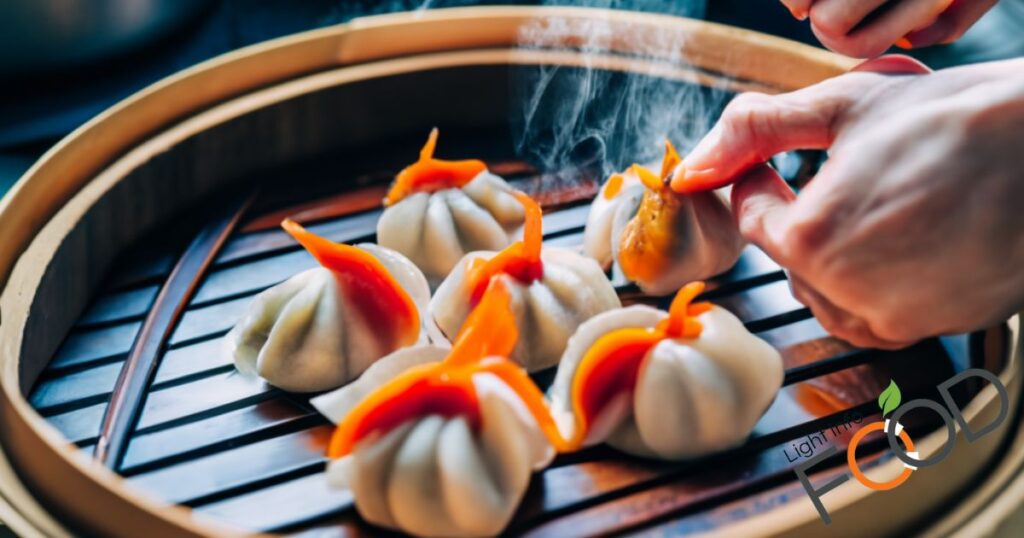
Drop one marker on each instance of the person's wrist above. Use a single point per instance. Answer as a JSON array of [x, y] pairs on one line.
[[995, 121], [995, 108]]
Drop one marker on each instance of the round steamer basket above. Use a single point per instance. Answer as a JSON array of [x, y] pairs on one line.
[[186, 140]]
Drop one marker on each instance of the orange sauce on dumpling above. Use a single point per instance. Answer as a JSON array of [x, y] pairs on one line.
[[520, 260], [649, 237], [613, 186], [612, 364], [381, 300], [430, 175], [446, 388]]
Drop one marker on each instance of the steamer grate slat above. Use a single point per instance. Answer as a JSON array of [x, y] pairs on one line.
[[240, 451]]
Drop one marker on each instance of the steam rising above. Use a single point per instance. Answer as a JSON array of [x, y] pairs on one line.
[[564, 117], [568, 116]]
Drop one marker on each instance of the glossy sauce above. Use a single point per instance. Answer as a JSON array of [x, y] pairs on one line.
[[380, 299], [521, 260], [651, 234], [431, 175], [447, 388], [612, 363]]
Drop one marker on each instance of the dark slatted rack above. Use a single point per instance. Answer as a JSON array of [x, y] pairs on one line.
[[245, 453]]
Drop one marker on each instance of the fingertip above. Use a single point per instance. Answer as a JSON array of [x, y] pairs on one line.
[[797, 13], [800, 9], [707, 153], [725, 149], [687, 181]]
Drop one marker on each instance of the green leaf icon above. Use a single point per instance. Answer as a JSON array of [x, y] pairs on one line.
[[890, 398]]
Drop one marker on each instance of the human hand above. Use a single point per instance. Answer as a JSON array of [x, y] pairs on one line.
[[915, 225], [866, 28]]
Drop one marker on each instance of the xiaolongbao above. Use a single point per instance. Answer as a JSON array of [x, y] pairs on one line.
[[660, 239], [439, 210], [553, 291], [671, 385], [322, 327], [439, 443]]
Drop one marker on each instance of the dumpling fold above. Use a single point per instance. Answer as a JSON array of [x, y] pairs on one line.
[[439, 442], [672, 386], [553, 291], [323, 327], [660, 239], [439, 210]]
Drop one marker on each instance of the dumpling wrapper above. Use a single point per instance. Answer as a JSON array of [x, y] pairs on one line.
[[435, 476], [610, 212], [304, 335], [572, 290], [435, 230], [661, 239], [692, 396]]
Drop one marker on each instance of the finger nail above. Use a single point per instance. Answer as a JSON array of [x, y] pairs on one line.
[[697, 170], [678, 178], [687, 181], [798, 14], [904, 43], [704, 155]]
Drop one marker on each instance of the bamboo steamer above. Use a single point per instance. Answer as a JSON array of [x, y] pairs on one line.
[[104, 185]]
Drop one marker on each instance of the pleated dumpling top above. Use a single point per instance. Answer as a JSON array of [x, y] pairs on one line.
[[659, 238], [439, 442], [670, 385], [439, 210], [553, 291], [323, 327]]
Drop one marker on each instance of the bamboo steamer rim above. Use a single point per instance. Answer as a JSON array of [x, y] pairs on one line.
[[77, 157], [248, 75]]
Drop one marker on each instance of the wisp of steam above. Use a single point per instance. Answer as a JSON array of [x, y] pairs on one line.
[[567, 117]]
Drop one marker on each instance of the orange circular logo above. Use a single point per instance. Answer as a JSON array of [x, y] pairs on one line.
[[851, 456]]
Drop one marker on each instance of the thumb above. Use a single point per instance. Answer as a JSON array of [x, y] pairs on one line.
[[755, 126], [760, 202]]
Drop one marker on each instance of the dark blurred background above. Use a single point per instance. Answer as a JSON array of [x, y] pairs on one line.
[[64, 61]]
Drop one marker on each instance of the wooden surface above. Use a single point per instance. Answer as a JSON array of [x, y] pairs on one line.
[[133, 381], [149, 161]]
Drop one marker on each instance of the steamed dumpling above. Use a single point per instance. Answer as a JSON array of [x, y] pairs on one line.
[[659, 238], [702, 380], [548, 310], [553, 291], [440, 210], [321, 328], [433, 475], [613, 208], [452, 466]]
